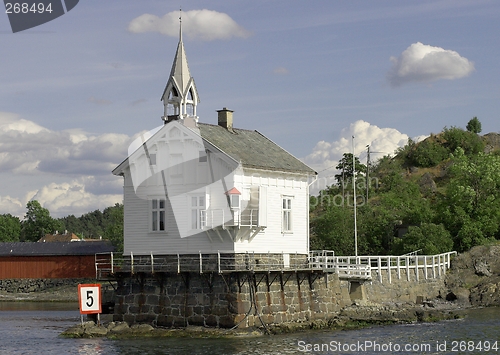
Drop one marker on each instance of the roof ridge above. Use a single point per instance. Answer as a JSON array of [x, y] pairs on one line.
[[216, 125]]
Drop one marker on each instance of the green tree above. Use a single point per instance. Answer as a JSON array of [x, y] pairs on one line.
[[37, 222], [470, 209], [333, 230], [474, 126], [114, 226], [10, 228], [428, 237], [456, 137], [428, 153], [345, 167]]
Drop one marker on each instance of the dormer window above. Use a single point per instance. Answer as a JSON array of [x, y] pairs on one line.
[[235, 201], [234, 198]]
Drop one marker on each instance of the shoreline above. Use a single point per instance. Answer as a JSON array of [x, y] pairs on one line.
[[66, 293], [356, 316]]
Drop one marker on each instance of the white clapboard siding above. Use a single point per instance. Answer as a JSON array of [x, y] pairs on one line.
[[261, 190], [271, 239]]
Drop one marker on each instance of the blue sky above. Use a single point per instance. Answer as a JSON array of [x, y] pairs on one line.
[[76, 90]]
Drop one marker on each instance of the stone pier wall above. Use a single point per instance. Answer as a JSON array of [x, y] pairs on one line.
[[405, 288], [236, 299], [247, 299]]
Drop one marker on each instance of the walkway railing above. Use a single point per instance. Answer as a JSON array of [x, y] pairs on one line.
[[430, 266], [346, 267]]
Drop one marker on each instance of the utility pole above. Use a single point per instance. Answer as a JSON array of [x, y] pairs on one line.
[[354, 192], [367, 171]]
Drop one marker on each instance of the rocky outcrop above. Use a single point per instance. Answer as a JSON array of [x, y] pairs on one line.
[[474, 277], [427, 184]]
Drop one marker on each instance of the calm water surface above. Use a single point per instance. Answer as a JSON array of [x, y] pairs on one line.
[[34, 328]]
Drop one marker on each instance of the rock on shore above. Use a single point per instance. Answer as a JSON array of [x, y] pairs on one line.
[[474, 277]]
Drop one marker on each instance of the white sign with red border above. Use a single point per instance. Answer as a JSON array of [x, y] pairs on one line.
[[89, 297]]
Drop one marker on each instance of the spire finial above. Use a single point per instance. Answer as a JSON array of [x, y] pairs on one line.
[[180, 24]]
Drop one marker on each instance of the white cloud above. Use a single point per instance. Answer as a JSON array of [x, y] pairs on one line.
[[73, 198], [12, 205], [423, 63], [36, 155], [31, 149], [326, 155], [206, 25]]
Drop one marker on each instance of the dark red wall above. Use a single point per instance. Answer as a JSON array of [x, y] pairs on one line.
[[47, 267]]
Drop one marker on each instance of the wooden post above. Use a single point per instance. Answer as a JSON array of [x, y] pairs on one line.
[[379, 269], [218, 261], [389, 269], [408, 268], [425, 266], [416, 267], [433, 266]]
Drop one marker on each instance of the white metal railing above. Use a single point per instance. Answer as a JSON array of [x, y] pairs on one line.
[[212, 218], [349, 267], [430, 266]]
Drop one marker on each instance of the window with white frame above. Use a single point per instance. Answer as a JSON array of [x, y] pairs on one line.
[[157, 215], [286, 213], [198, 212], [234, 201]]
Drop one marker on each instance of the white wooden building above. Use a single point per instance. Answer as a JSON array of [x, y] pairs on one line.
[[192, 187]]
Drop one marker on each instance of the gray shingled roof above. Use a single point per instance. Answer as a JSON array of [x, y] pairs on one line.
[[253, 149], [54, 249]]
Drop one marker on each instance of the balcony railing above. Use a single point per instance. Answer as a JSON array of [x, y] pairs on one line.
[[346, 267], [212, 218]]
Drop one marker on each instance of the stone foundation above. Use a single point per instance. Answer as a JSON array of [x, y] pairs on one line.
[[247, 299], [228, 300], [404, 289]]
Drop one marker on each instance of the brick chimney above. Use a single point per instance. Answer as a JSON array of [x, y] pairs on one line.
[[225, 118]]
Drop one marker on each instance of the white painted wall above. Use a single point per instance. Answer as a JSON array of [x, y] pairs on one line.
[[212, 179]]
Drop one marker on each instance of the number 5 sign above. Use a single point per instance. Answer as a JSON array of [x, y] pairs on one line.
[[89, 297]]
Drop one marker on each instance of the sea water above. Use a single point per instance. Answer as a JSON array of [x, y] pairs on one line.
[[34, 328]]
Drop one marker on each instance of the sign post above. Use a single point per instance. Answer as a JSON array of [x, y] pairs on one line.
[[89, 298]]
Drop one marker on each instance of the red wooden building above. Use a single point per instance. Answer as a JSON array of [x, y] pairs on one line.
[[50, 260]]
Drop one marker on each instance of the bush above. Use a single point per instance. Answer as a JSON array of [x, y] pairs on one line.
[[428, 153], [431, 238], [470, 142]]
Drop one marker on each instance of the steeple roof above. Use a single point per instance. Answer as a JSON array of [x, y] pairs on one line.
[[180, 73]]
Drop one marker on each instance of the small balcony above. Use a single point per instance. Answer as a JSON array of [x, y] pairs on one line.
[[213, 218]]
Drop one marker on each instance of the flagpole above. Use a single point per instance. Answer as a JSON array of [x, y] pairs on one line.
[[354, 191]]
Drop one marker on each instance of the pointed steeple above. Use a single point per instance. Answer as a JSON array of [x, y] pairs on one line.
[[180, 96]]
